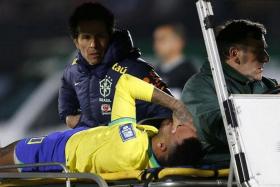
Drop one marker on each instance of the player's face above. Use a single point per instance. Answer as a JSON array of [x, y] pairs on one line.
[[176, 134], [92, 41], [252, 59]]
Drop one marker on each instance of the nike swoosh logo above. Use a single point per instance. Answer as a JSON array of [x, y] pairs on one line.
[[76, 83]]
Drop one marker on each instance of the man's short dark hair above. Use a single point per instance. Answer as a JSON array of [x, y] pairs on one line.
[[177, 28], [187, 153], [91, 11], [237, 32]]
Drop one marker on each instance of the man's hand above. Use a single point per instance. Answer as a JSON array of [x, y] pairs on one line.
[[72, 120]]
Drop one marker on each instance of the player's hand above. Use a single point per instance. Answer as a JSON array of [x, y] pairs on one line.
[[72, 120], [181, 116]]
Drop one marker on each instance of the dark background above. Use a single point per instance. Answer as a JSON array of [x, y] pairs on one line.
[[36, 29]]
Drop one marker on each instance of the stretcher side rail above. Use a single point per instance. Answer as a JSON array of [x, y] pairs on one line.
[[173, 177], [49, 175]]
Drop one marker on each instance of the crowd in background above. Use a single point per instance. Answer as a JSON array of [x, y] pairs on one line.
[[33, 29]]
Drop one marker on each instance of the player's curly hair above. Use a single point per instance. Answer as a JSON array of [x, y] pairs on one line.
[[91, 11], [188, 153]]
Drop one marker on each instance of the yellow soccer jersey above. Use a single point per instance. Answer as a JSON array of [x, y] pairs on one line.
[[123, 145], [128, 89]]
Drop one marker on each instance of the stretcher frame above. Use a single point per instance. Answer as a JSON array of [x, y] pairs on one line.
[[157, 177], [232, 107], [49, 175]]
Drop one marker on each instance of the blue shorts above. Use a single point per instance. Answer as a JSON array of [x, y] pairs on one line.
[[49, 148]]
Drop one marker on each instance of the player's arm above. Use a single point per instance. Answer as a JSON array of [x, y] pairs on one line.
[[68, 105], [130, 88], [146, 72], [181, 115]]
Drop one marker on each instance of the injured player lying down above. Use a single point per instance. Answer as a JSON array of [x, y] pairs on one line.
[[123, 145]]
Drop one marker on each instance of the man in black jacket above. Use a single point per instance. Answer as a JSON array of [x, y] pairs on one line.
[[174, 68], [104, 54]]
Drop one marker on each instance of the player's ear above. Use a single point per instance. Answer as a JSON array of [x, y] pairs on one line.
[[162, 146]]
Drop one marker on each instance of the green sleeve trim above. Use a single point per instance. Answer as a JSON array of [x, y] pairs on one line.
[[122, 121]]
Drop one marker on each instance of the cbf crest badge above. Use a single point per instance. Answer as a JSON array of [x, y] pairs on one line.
[[126, 131], [105, 86]]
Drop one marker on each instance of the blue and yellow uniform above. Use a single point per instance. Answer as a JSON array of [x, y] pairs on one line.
[[101, 149]]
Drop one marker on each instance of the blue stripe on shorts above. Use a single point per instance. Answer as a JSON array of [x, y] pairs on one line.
[[49, 148]]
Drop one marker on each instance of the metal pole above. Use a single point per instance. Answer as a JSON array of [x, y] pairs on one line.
[[205, 14], [230, 175]]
